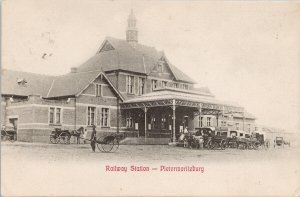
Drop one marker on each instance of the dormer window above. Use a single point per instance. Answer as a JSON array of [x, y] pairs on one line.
[[21, 82], [98, 90], [160, 68]]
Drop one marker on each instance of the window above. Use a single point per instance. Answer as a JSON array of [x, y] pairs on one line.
[[141, 85], [98, 89], [55, 115], [153, 122], [91, 115], [51, 120], [237, 126], [160, 68], [249, 127], [208, 121], [164, 121], [105, 117], [130, 84], [185, 86], [163, 84], [154, 84], [176, 85], [202, 123], [129, 120], [223, 123]]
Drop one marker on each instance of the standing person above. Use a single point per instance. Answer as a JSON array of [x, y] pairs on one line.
[[93, 138], [185, 130], [84, 135]]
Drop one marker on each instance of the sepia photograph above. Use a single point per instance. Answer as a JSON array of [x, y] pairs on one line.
[[150, 98]]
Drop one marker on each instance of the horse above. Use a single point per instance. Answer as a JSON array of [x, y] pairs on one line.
[[77, 134]]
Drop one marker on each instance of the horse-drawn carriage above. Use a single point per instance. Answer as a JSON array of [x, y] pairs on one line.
[[110, 142], [279, 141], [8, 133], [105, 143], [218, 139], [245, 141], [203, 137], [59, 136]]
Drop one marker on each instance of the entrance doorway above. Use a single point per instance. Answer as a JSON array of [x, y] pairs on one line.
[[14, 123], [185, 122], [141, 125]]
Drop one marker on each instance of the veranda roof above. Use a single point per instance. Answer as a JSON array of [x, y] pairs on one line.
[[172, 96]]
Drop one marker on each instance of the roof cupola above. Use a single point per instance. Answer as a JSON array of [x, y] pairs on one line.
[[132, 32]]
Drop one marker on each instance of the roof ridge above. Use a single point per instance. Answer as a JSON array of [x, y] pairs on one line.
[[80, 72], [138, 44]]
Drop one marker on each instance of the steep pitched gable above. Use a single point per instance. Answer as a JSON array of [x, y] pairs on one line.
[[73, 84], [106, 46], [117, 54]]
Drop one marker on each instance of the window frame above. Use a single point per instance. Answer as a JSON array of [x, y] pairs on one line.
[[129, 120], [141, 85], [208, 121], [54, 114], [153, 122], [97, 89], [237, 126], [164, 124], [131, 86], [107, 116], [153, 83], [89, 115], [160, 68]]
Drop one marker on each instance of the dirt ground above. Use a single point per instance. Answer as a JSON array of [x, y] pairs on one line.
[[74, 170]]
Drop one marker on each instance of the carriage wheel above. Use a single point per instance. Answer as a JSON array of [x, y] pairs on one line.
[[108, 146], [223, 144], [53, 139], [213, 145], [64, 138], [116, 146], [209, 144], [99, 142], [11, 138]]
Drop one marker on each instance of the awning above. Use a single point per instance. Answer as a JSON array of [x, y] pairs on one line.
[[179, 97]]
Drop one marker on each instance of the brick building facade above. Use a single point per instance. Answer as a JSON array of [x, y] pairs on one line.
[[91, 94]]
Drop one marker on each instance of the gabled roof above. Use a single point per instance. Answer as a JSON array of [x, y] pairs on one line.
[[70, 84], [122, 56], [34, 83]]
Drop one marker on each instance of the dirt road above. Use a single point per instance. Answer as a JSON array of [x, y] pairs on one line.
[[45, 169]]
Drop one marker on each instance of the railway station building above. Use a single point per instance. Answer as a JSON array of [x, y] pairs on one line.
[[125, 87]]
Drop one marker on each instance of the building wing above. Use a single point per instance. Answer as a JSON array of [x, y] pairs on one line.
[[17, 83]]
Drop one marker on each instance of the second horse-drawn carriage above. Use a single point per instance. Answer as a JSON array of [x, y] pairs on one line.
[[59, 136], [8, 133], [222, 139]]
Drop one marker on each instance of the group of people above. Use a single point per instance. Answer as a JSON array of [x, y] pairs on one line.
[[187, 138]]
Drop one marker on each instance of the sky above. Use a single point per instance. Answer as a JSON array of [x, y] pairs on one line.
[[247, 52]]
